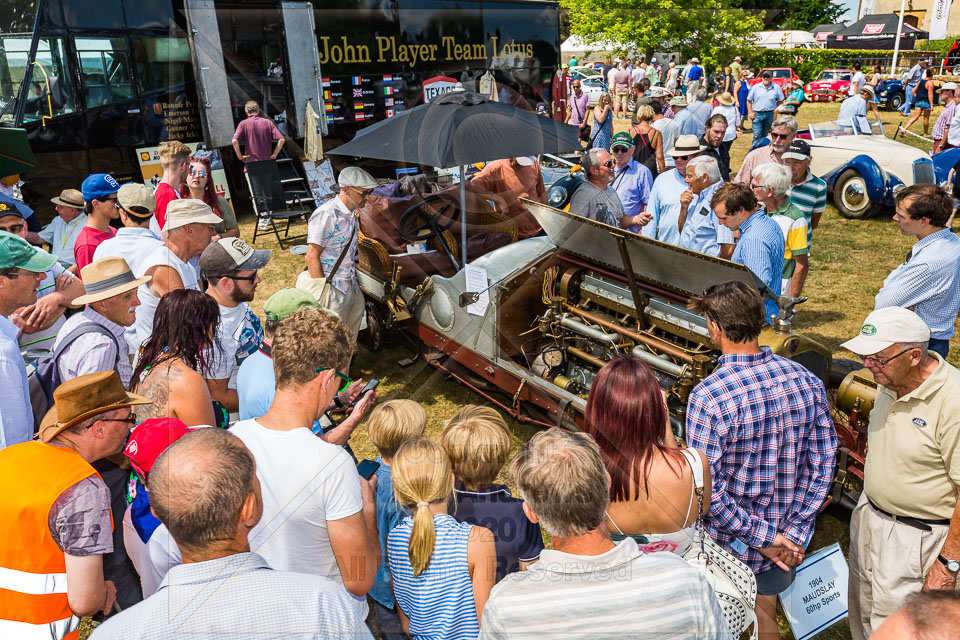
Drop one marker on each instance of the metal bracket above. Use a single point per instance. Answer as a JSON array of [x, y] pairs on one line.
[[632, 282]]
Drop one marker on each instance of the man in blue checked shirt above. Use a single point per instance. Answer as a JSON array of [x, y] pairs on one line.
[[764, 424], [761, 245], [928, 281]]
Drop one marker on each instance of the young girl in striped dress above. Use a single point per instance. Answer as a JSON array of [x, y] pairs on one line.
[[442, 570]]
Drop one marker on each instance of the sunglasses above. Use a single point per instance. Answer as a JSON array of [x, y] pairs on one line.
[[779, 136], [363, 193], [620, 149], [15, 229], [23, 274], [608, 164], [243, 278], [199, 174], [346, 379]]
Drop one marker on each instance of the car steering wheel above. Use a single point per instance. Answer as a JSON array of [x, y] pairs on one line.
[[436, 222]]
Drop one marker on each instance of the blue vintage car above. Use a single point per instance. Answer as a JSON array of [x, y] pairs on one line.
[[890, 93]]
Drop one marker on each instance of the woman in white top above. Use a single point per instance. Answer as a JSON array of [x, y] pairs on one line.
[[651, 480], [672, 75]]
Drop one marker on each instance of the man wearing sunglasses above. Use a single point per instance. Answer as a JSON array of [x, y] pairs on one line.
[[230, 267], [782, 132], [595, 198], [905, 530], [56, 525], [319, 515], [99, 192], [333, 232]]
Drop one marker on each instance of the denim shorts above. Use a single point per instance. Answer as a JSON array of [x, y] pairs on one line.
[[923, 105], [775, 580]]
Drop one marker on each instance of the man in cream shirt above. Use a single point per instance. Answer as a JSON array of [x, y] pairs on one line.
[[905, 531]]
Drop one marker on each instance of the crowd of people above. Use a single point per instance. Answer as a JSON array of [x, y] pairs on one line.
[[182, 467]]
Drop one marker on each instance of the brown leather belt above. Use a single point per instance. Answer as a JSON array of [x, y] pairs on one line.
[[919, 523]]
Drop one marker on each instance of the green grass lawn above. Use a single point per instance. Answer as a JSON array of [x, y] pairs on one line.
[[849, 262]]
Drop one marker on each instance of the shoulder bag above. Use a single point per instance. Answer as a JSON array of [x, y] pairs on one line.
[[584, 131], [321, 287], [733, 582]]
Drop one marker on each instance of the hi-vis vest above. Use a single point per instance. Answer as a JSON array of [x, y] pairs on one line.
[[33, 578]]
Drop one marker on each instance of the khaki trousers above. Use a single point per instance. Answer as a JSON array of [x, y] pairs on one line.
[[889, 561], [349, 306]]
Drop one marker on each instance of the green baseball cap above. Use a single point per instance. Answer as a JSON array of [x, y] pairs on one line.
[[622, 138], [17, 252], [286, 301]]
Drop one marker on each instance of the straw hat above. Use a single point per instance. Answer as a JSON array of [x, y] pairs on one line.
[[686, 145], [105, 278], [69, 198], [725, 99], [84, 397], [186, 211]]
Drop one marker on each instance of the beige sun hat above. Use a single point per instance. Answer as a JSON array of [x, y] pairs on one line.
[[105, 278], [186, 211]]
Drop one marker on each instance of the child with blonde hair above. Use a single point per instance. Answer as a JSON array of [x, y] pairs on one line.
[[477, 440], [391, 424], [442, 570]]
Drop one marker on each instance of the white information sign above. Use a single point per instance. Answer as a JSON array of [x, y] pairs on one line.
[[817, 599], [476, 279]]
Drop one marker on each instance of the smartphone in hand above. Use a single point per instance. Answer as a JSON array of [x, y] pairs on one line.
[[370, 386], [367, 468]]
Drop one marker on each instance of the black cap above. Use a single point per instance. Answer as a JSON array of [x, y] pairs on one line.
[[798, 150]]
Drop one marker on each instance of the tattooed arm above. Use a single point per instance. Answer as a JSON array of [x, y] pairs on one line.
[[177, 392]]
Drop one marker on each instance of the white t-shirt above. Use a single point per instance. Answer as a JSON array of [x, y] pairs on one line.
[[856, 83], [305, 482], [148, 302], [153, 559], [238, 336], [953, 134]]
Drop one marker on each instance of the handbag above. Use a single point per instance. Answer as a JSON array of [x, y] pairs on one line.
[[320, 288], [584, 132], [733, 582]]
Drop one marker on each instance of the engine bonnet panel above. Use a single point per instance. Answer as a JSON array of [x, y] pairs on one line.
[[679, 270]]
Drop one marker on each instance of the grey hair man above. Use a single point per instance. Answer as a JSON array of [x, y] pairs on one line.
[[596, 199], [909, 502], [782, 133], [928, 615], [700, 229], [204, 488], [770, 183], [566, 489]]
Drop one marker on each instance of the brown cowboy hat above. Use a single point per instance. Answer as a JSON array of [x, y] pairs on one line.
[[83, 397]]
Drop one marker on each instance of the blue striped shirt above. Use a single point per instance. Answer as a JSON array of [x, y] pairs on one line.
[[761, 249], [929, 282], [439, 602]]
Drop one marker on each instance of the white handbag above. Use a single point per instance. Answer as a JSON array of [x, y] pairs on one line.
[[321, 287], [733, 582]]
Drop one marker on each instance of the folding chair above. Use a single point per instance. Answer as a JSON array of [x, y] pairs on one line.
[[271, 202]]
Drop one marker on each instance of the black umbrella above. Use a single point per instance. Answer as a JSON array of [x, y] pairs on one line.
[[458, 129]]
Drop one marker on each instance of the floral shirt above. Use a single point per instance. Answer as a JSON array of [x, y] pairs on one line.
[[331, 227]]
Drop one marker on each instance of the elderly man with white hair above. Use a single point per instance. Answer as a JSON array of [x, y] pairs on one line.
[[770, 183], [700, 230], [782, 132]]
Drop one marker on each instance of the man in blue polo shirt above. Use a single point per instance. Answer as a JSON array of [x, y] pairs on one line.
[[665, 197], [631, 180], [699, 228], [761, 246], [928, 281], [762, 101]]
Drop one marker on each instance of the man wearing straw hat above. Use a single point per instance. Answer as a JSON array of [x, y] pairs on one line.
[[56, 525], [111, 298], [61, 234]]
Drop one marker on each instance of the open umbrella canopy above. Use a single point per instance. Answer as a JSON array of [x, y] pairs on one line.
[[461, 128], [8, 204], [15, 153]]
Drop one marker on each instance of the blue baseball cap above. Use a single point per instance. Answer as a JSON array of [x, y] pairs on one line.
[[98, 185]]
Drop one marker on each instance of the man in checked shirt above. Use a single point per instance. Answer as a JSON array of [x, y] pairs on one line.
[[764, 425]]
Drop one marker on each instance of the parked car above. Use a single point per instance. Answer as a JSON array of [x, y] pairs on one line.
[[829, 85], [594, 86], [583, 72], [782, 76], [866, 169], [891, 93]]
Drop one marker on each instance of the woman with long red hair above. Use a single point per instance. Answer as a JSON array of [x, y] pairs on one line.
[[651, 481], [199, 185]]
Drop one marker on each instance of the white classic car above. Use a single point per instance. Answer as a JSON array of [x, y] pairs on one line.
[[864, 168]]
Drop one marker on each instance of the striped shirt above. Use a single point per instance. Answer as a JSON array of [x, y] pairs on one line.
[[94, 352], [622, 593], [928, 281], [810, 196], [940, 126], [439, 602], [764, 424], [794, 227], [761, 248]]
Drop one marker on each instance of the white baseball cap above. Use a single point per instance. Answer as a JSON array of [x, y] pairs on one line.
[[525, 161], [885, 327]]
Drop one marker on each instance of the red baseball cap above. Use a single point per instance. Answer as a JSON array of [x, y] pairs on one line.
[[151, 438]]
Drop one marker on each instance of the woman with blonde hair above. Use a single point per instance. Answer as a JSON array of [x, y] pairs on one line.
[[442, 570], [647, 142], [602, 131]]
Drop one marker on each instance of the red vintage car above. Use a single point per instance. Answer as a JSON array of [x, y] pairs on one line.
[[830, 85], [782, 76]]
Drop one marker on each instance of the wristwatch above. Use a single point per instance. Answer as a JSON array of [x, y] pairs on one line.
[[337, 401], [953, 566]]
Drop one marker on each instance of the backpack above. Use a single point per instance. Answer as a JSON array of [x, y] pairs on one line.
[[46, 376]]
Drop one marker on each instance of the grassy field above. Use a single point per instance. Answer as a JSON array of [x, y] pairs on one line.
[[849, 262]]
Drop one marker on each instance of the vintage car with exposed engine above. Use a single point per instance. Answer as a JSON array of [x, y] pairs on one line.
[[529, 322], [830, 85]]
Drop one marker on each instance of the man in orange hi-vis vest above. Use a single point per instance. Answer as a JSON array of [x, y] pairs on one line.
[[55, 520]]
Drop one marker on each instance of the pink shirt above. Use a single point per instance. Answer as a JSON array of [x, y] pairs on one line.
[[579, 106], [87, 242], [258, 134], [622, 79]]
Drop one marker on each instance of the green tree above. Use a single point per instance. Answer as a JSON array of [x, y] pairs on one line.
[[711, 29], [806, 14]]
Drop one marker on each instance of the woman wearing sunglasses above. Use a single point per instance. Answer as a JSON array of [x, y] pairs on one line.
[[199, 185], [175, 359]]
